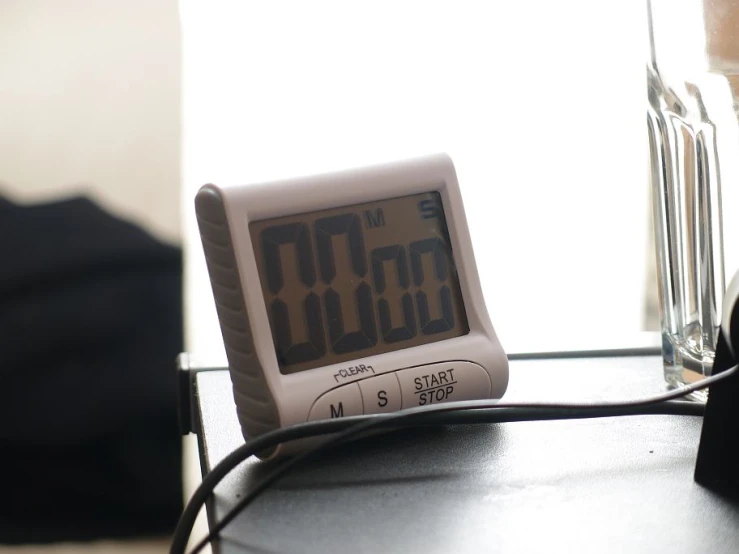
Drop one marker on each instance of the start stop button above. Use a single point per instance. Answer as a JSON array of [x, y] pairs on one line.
[[443, 382]]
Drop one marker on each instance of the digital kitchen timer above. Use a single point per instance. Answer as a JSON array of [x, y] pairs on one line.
[[348, 293]]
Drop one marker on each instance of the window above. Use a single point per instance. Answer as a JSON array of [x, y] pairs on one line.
[[540, 104]]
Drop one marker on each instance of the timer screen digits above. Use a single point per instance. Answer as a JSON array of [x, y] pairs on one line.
[[356, 281]]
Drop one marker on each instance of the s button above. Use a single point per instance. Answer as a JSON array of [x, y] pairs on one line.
[[380, 394]]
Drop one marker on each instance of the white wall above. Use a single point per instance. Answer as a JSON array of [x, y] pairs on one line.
[[540, 104], [90, 103]]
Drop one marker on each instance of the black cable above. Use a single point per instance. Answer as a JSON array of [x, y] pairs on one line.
[[461, 416], [447, 417], [476, 411]]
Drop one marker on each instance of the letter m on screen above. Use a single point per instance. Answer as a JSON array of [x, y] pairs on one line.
[[374, 218]]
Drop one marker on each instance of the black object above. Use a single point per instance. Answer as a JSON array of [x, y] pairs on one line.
[[609, 485], [90, 326], [717, 465], [343, 429]]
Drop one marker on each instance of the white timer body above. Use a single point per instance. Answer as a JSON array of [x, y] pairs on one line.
[[276, 254]]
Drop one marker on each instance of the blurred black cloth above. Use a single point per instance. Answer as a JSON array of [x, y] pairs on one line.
[[90, 326]]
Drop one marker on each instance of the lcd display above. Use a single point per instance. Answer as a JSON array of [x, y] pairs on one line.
[[356, 281]]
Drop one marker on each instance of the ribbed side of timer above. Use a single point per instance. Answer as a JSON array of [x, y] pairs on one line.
[[257, 411]]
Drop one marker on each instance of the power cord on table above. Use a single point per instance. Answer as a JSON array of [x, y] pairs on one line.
[[475, 411]]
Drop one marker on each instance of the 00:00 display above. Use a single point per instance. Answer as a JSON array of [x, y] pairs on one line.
[[365, 337]]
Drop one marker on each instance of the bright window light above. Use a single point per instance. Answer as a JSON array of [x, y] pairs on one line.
[[540, 104]]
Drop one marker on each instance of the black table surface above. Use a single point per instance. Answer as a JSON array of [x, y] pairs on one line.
[[602, 485]]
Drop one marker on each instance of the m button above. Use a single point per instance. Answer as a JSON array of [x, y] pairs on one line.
[[341, 402]]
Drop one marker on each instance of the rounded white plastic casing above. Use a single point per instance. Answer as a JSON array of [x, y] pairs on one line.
[[266, 398]]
